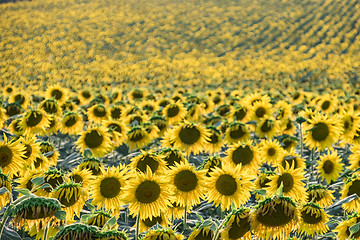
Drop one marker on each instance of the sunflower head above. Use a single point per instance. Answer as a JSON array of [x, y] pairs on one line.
[[236, 132], [138, 137], [111, 235], [237, 225], [160, 122], [98, 219], [204, 233], [97, 139], [318, 194], [210, 163], [12, 109], [92, 164], [50, 106], [35, 121], [148, 159], [330, 166], [172, 156], [313, 220], [162, 234], [76, 231], [4, 182]]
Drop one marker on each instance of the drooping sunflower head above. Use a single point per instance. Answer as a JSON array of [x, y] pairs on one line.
[[292, 160], [148, 159], [313, 220], [318, 194], [111, 235], [71, 123], [275, 218], [210, 163], [161, 124], [117, 130], [35, 121], [162, 234], [343, 229], [330, 166], [240, 113], [352, 186], [171, 156], [35, 211], [237, 132], [215, 140], [54, 178], [12, 109], [137, 137], [237, 225], [15, 127], [97, 139], [93, 165], [21, 98], [289, 143], [204, 233], [136, 95], [76, 231], [190, 137], [267, 127], [146, 224], [116, 111], [262, 181], [49, 150], [98, 218], [354, 158], [50, 106], [5, 182]]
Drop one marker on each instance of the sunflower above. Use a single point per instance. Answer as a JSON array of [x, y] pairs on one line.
[[176, 211], [204, 233], [97, 139], [21, 98], [98, 113], [275, 218], [40, 233], [53, 126], [40, 163], [352, 185], [148, 107], [227, 186], [171, 156], [313, 220], [329, 166], [321, 132], [148, 159], [5, 182], [288, 127], [116, 95], [12, 109], [83, 177], [186, 183], [107, 190], [25, 179], [190, 137], [262, 181], [48, 149], [267, 127], [174, 112], [147, 194], [137, 94], [260, 110], [162, 234], [354, 158], [58, 93], [34, 122], [289, 143], [12, 154], [237, 225], [71, 123], [245, 154], [111, 235], [98, 219], [15, 127], [116, 111], [293, 160], [343, 229], [85, 96], [50, 106], [318, 194], [76, 231], [146, 224], [36, 212], [210, 163], [68, 106], [117, 130], [135, 119], [291, 179], [93, 165], [327, 104], [240, 113], [161, 124], [284, 111], [52, 177], [349, 122], [236, 132], [72, 198], [215, 142], [151, 129], [297, 97], [137, 137], [8, 90], [271, 152]]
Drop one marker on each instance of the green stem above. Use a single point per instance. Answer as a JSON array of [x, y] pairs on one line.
[[301, 141], [137, 226], [46, 231], [2, 225], [218, 229], [185, 217]]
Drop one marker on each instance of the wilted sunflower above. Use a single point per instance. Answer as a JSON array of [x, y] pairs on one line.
[[108, 189], [190, 137], [148, 159], [237, 225], [72, 198], [267, 127], [50, 106], [5, 182], [329, 166], [204, 233], [137, 137], [147, 194], [291, 179], [343, 229], [83, 177], [352, 185], [321, 132], [174, 112], [171, 156], [76, 231], [71, 123], [313, 220], [35, 121], [37, 212], [12, 154], [271, 151], [186, 183], [162, 234], [52, 177], [245, 154], [228, 185], [49, 150], [93, 165], [236, 132], [275, 218], [318, 194], [98, 113], [97, 139], [58, 93], [98, 218], [146, 224], [215, 142]]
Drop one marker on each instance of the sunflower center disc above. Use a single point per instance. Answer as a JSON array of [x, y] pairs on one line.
[[240, 114], [267, 126], [147, 192], [6, 156], [260, 112], [149, 223], [86, 94], [226, 185], [346, 125], [243, 155], [110, 187], [320, 132], [137, 95], [115, 127], [115, 113], [39, 213], [99, 111], [12, 110], [172, 158], [204, 235], [57, 94], [275, 216], [189, 135], [328, 166], [20, 99], [28, 150], [34, 119], [173, 111], [271, 151], [186, 181], [68, 202], [310, 218], [292, 162], [147, 161], [354, 188], [136, 136], [325, 105], [214, 138], [287, 180], [239, 229], [76, 178], [93, 139], [237, 133], [70, 121]]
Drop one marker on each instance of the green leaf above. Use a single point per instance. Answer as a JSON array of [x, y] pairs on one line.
[[261, 191], [90, 206], [199, 217], [354, 228], [279, 191], [23, 191], [3, 190], [61, 215], [85, 217], [87, 153], [38, 181], [110, 223], [300, 120], [46, 185]]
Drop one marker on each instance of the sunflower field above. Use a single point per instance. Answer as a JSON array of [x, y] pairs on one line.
[[172, 120]]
